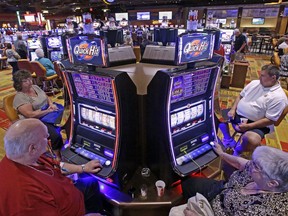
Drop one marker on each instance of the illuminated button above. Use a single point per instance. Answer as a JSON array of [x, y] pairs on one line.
[[107, 163], [179, 161]]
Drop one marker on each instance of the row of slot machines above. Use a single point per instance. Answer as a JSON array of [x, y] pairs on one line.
[[142, 115], [52, 46]]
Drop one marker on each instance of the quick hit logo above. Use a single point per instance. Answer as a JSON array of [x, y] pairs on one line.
[[86, 51], [195, 48]]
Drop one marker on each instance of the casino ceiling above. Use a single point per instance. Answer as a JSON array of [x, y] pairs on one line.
[[79, 6]]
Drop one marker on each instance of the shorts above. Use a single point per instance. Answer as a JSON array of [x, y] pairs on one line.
[[260, 131]]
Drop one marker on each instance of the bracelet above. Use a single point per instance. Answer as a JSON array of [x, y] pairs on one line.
[[83, 167]]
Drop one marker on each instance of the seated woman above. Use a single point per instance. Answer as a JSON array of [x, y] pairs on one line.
[[258, 187], [45, 62], [28, 102]]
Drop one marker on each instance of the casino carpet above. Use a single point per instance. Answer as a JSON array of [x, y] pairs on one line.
[[278, 139]]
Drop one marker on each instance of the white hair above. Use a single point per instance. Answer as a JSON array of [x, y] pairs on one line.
[[39, 52], [274, 162], [19, 136]]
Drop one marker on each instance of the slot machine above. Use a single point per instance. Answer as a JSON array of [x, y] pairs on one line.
[[180, 110], [226, 39], [104, 113], [54, 47], [33, 44]]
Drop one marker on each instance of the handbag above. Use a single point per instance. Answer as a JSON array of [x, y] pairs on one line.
[[198, 204], [54, 117]]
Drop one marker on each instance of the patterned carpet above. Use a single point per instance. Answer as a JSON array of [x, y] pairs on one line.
[[278, 139]]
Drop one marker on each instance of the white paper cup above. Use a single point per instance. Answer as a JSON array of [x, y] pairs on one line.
[[244, 120], [160, 186]]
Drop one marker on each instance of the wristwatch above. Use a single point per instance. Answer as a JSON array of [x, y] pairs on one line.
[[83, 167]]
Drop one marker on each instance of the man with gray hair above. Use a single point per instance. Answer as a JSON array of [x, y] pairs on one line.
[[240, 41], [258, 106], [32, 182]]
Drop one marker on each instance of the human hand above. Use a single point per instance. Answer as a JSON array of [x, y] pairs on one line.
[[231, 114], [242, 127], [218, 148], [93, 166], [189, 212], [53, 107]]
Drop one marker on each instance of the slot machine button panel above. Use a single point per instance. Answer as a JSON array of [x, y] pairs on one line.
[[193, 154]]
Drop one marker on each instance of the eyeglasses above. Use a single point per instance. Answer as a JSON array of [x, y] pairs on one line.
[[256, 167]]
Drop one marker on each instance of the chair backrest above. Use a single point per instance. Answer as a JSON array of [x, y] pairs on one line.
[[285, 111], [8, 107], [25, 64], [38, 68], [58, 70]]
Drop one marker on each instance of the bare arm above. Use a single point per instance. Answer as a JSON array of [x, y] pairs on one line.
[[92, 166], [237, 162], [232, 112], [27, 111], [242, 47]]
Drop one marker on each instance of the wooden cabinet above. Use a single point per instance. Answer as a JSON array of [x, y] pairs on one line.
[[239, 74]]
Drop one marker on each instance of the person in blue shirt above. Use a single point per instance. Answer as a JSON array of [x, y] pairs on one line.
[[45, 62]]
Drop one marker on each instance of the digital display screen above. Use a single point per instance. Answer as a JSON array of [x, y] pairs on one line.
[[187, 117], [120, 16], [258, 21], [226, 35], [168, 14], [189, 85], [143, 15], [87, 51], [99, 119], [33, 43], [56, 55], [194, 47], [33, 56], [53, 42], [29, 18], [94, 87]]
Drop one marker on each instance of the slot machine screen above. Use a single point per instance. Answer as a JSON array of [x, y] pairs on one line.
[[56, 55], [226, 35], [34, 43], [53, 42], [194, 47], [87, 51], [190, 85], [94, 87], [33, 56]]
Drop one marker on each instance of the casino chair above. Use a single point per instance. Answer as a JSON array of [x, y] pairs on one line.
[[10, 112], [58, 67], [25, 64], [40, 72]]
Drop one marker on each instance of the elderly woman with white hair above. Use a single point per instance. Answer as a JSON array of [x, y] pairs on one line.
[[45, 62], [258, 187]]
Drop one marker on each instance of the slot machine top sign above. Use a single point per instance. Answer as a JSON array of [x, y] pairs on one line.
[[194, 47], [87, 51]]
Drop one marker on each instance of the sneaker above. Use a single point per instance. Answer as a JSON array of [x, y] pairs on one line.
[[229, 143]]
